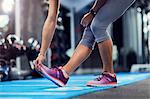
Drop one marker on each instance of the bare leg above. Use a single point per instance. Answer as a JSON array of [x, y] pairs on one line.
[[105, 49], [81, 53]]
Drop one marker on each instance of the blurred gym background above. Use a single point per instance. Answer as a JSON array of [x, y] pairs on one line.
[[21, 23]]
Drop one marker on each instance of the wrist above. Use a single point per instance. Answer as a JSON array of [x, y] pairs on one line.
[[93, 12], [41, 54]]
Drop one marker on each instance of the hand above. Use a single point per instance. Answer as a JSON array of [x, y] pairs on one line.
[[38, 61], [87, 19]]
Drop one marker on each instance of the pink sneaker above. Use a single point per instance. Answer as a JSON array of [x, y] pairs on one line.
[[104, 80], [54, 74]]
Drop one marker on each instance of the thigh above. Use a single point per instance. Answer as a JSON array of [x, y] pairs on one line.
[[111, 11]]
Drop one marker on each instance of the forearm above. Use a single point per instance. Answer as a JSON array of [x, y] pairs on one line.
[[47, 34], [49, 25], [98, 4]]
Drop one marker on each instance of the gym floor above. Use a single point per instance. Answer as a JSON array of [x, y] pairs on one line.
[[130, 86], [138, 90]]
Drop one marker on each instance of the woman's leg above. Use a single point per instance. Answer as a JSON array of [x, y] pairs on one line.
[[110, 12], [82, 51], [80, 54], [105, 50]]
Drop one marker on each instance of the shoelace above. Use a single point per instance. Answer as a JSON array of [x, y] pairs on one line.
[[38, 68], [55, 68], [100, 77]]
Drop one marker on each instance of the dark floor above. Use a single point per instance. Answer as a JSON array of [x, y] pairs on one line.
[[139, 90]]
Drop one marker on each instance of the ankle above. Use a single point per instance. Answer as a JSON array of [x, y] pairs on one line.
[[110, 73], [66, 75], [66, 69]]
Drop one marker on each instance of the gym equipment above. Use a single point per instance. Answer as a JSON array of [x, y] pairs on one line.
[[4, 70]]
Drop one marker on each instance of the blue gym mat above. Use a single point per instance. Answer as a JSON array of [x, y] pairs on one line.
[[44, 89]]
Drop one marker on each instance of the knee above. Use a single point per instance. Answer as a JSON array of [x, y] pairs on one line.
[[99, 30], [88, 38], [97, 26]]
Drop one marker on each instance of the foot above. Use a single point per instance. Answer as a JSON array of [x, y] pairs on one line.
[[54, 74], [104, 80]]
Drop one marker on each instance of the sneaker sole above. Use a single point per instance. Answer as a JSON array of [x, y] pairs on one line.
[[114, 84], [53, 79], [39, 72]]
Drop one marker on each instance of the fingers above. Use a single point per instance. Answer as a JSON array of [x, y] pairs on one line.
[[87, 19], [39, 60], [83, 22], [37, 63]]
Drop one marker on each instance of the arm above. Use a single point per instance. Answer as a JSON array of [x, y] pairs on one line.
[[48, 30], [87, 18], [49, 25]]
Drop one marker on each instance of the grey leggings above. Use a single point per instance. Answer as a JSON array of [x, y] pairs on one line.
[[110, 12]]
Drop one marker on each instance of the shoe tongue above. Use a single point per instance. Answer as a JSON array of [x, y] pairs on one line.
[[110, 74], [60, 67]]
